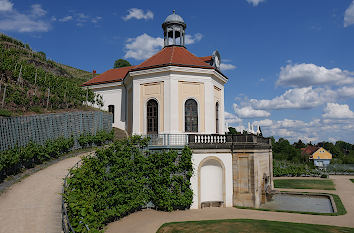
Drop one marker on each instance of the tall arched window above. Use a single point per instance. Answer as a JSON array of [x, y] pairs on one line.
[[191, 116], [217, 117], [152, 117]]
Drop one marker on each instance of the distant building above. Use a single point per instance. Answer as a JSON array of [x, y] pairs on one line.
[[320, 156]]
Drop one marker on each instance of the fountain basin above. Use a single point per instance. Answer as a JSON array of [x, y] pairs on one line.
[[301, 202]]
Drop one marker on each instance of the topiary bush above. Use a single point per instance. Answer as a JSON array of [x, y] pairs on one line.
[[122, 179]]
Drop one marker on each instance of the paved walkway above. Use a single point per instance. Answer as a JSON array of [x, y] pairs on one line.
[[34, 204], [151, 220]]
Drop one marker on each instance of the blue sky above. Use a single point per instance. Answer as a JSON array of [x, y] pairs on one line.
[[290, 63]]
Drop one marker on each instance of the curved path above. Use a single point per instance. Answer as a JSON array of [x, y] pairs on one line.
[[34, 204], [151, 220]]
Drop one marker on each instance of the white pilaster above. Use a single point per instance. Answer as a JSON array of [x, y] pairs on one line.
[[174, 105], [136, 108], [222, 113], [209, 107]]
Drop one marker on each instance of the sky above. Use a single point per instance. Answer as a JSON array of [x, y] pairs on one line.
[[290, 64]]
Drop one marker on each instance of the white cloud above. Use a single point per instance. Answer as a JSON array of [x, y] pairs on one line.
[[349, 15], [346, 91], [298, 98], [249, 112], [12, 20], [232, 118], [5, 5], [191, 39], [224, 66], [255, 2], [292, 130], [38, 11], [265, 122], [138, 14], [96, 19], [142, 47], [302, 75], [80, 19], [337, 111], [66, 18]]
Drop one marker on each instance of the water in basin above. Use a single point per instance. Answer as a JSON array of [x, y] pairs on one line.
[[299, 202]]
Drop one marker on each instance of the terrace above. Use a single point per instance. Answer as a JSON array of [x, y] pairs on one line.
[[208, 141]]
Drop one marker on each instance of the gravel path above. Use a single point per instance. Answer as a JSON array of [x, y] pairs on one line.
[[151, 220], [34, 204]]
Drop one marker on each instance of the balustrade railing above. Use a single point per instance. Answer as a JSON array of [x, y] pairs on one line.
[[185, 139], [167, 139]]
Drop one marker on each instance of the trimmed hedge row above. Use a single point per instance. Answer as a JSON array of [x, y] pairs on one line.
[[122, 179], [15, 160]]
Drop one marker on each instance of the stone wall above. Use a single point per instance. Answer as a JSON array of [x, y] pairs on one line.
[[250, 167]]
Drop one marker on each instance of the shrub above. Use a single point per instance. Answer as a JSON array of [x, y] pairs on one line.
[[15, 160], [285, 168], [122, 178], [5, 113], [324, 176]]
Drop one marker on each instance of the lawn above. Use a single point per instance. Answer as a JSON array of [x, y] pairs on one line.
[[352, 180], [325, 184], [247, 225]]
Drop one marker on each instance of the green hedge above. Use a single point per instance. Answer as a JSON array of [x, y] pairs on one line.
[[122, 178], [285, 168], [15, 160], [87, 140]]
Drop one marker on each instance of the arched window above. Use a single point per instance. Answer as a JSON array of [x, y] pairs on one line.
[[191, 116], [152, 117], [217, 117], [111, 110]]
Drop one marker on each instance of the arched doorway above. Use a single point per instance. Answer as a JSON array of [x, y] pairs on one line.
[[211, 183], [152, 118]]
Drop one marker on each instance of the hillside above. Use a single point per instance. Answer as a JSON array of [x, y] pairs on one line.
[[29, 82]]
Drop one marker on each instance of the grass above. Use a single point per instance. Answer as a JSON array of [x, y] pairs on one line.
[[352, 180], [324, 184], [339, 204], [247, 225]]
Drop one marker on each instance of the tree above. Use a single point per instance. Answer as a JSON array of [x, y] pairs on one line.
[[299, 144], [121, 63], [232, 130]]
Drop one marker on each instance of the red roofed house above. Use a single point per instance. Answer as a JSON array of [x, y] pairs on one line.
[[178, 98]]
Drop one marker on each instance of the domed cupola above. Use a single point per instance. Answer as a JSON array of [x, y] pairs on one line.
[[173, 30]]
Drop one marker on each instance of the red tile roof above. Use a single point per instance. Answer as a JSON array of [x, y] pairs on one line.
[[173, 55], [112, 75], [168, 56], [309, 150], [207, 58]]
